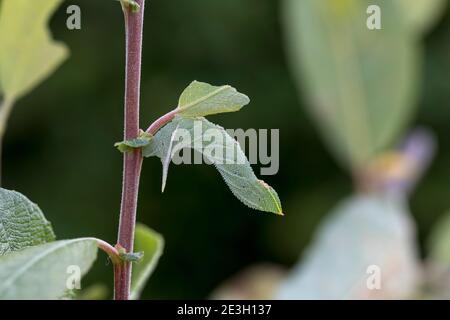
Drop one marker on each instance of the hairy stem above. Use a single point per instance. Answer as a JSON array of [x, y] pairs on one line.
[[132, 160], [159, 123]]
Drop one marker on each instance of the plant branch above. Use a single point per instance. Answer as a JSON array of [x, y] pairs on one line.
[[132, 160]]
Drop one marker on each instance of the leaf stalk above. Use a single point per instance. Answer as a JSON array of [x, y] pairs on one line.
[[112, 252]]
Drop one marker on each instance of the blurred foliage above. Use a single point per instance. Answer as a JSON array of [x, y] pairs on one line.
[[28, 55], [255, 282], [421, 16], [439, 242], [151, 245], [437, 271], [94, 292], [59, 147], [362, 231], [362, 83]]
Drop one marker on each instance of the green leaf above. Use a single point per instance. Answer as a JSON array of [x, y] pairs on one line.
[[28, 55], [131, 256], [43, 271], [97, 291], [361, 83], [422, 15], [231, 162], [152, 244], [201, 99], [22, 223], [439, 242], [139, 142]]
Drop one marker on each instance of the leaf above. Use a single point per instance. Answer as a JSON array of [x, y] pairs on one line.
[[28, 55], [97, 291], [360, 93], [152, 244], [201, 99], [439, 242], [363, 232], [43, 271], [139, 142], [223, 151], [256, 282], [22, 223], [421, 16], [131, 256]]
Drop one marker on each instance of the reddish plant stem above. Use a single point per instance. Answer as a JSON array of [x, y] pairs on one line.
[[112, 252], [159, 123], [132, 160]]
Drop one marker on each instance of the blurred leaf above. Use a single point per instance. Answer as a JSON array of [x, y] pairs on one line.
[[421, 15], [28, 54], [363, 231], [94, 292], [362, 83], [439, 242], [258, 282], [152, 244], [201, 99], [22, 223], [42, 271], [208, 139], [437, 271]]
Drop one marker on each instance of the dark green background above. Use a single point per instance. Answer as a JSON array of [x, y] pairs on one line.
[[59, 145]]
